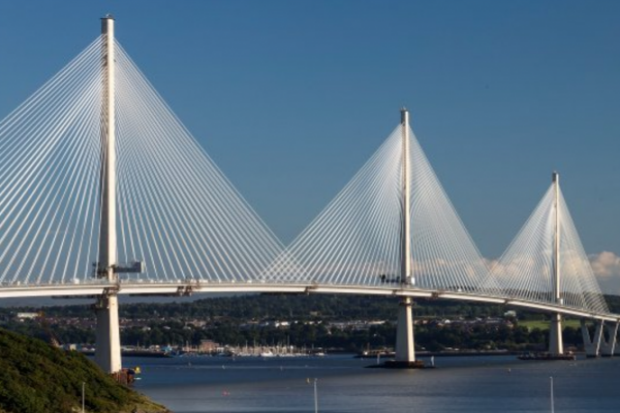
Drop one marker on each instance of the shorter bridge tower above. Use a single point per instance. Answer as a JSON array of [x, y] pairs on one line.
[[556, 344]]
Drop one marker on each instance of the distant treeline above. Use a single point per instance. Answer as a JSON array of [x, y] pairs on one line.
[[296, 306], [228, 320]]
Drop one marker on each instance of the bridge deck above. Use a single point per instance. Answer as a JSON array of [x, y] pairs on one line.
[[189, 288]]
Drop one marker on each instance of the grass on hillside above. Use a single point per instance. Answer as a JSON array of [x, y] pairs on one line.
[[544, 324], [38, 378]]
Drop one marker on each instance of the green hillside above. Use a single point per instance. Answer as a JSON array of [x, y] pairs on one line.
[[38, 378]]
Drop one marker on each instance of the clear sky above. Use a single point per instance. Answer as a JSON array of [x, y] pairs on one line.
[[290, 98]]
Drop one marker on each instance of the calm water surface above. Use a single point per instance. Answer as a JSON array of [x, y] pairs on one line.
[[458, 384]]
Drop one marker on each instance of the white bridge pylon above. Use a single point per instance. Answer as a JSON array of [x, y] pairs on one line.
[[527, 270], [100, 184], [546, 263], [392, 226]]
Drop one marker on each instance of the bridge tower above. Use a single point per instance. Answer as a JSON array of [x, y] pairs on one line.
[[556, 345], [405, 353], [108, 353]]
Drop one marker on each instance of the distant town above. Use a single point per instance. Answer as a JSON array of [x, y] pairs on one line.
[[291, 326]]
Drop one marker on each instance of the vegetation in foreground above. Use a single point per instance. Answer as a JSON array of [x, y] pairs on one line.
[[38, 378]]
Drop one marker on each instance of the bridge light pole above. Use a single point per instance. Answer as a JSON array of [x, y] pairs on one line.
[[404, 332], [108, 352], [556, 345]]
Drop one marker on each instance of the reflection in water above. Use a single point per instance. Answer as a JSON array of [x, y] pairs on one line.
[[459, 384]]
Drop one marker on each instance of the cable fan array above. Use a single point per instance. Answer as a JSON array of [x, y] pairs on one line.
[[356, 239], [49, 177], [177, 212], [525, 270]]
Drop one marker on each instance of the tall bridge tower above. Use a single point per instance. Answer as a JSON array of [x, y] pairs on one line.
[[108, 353]]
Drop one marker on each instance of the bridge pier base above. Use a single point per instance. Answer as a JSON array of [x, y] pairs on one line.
[[556, 343], [108, 351], [616, 349], [608, 345], [405, 351], [592, 345]]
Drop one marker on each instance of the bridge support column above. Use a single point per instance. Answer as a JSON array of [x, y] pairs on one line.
[[556, 343], [405, 352], [592, 345], [405, 355], [108, 351], [608, 345]]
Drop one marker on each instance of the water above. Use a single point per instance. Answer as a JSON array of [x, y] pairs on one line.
[[459, 384]]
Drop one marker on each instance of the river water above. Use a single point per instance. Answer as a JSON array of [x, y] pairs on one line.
[[458, 384]]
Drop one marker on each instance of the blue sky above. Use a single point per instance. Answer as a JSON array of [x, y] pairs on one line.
[[291, 97]]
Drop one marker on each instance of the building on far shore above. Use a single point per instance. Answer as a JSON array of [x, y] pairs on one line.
[[26, 316], [208, 346]]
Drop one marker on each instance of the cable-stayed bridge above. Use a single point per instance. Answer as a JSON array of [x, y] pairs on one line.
[[104, 192]]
